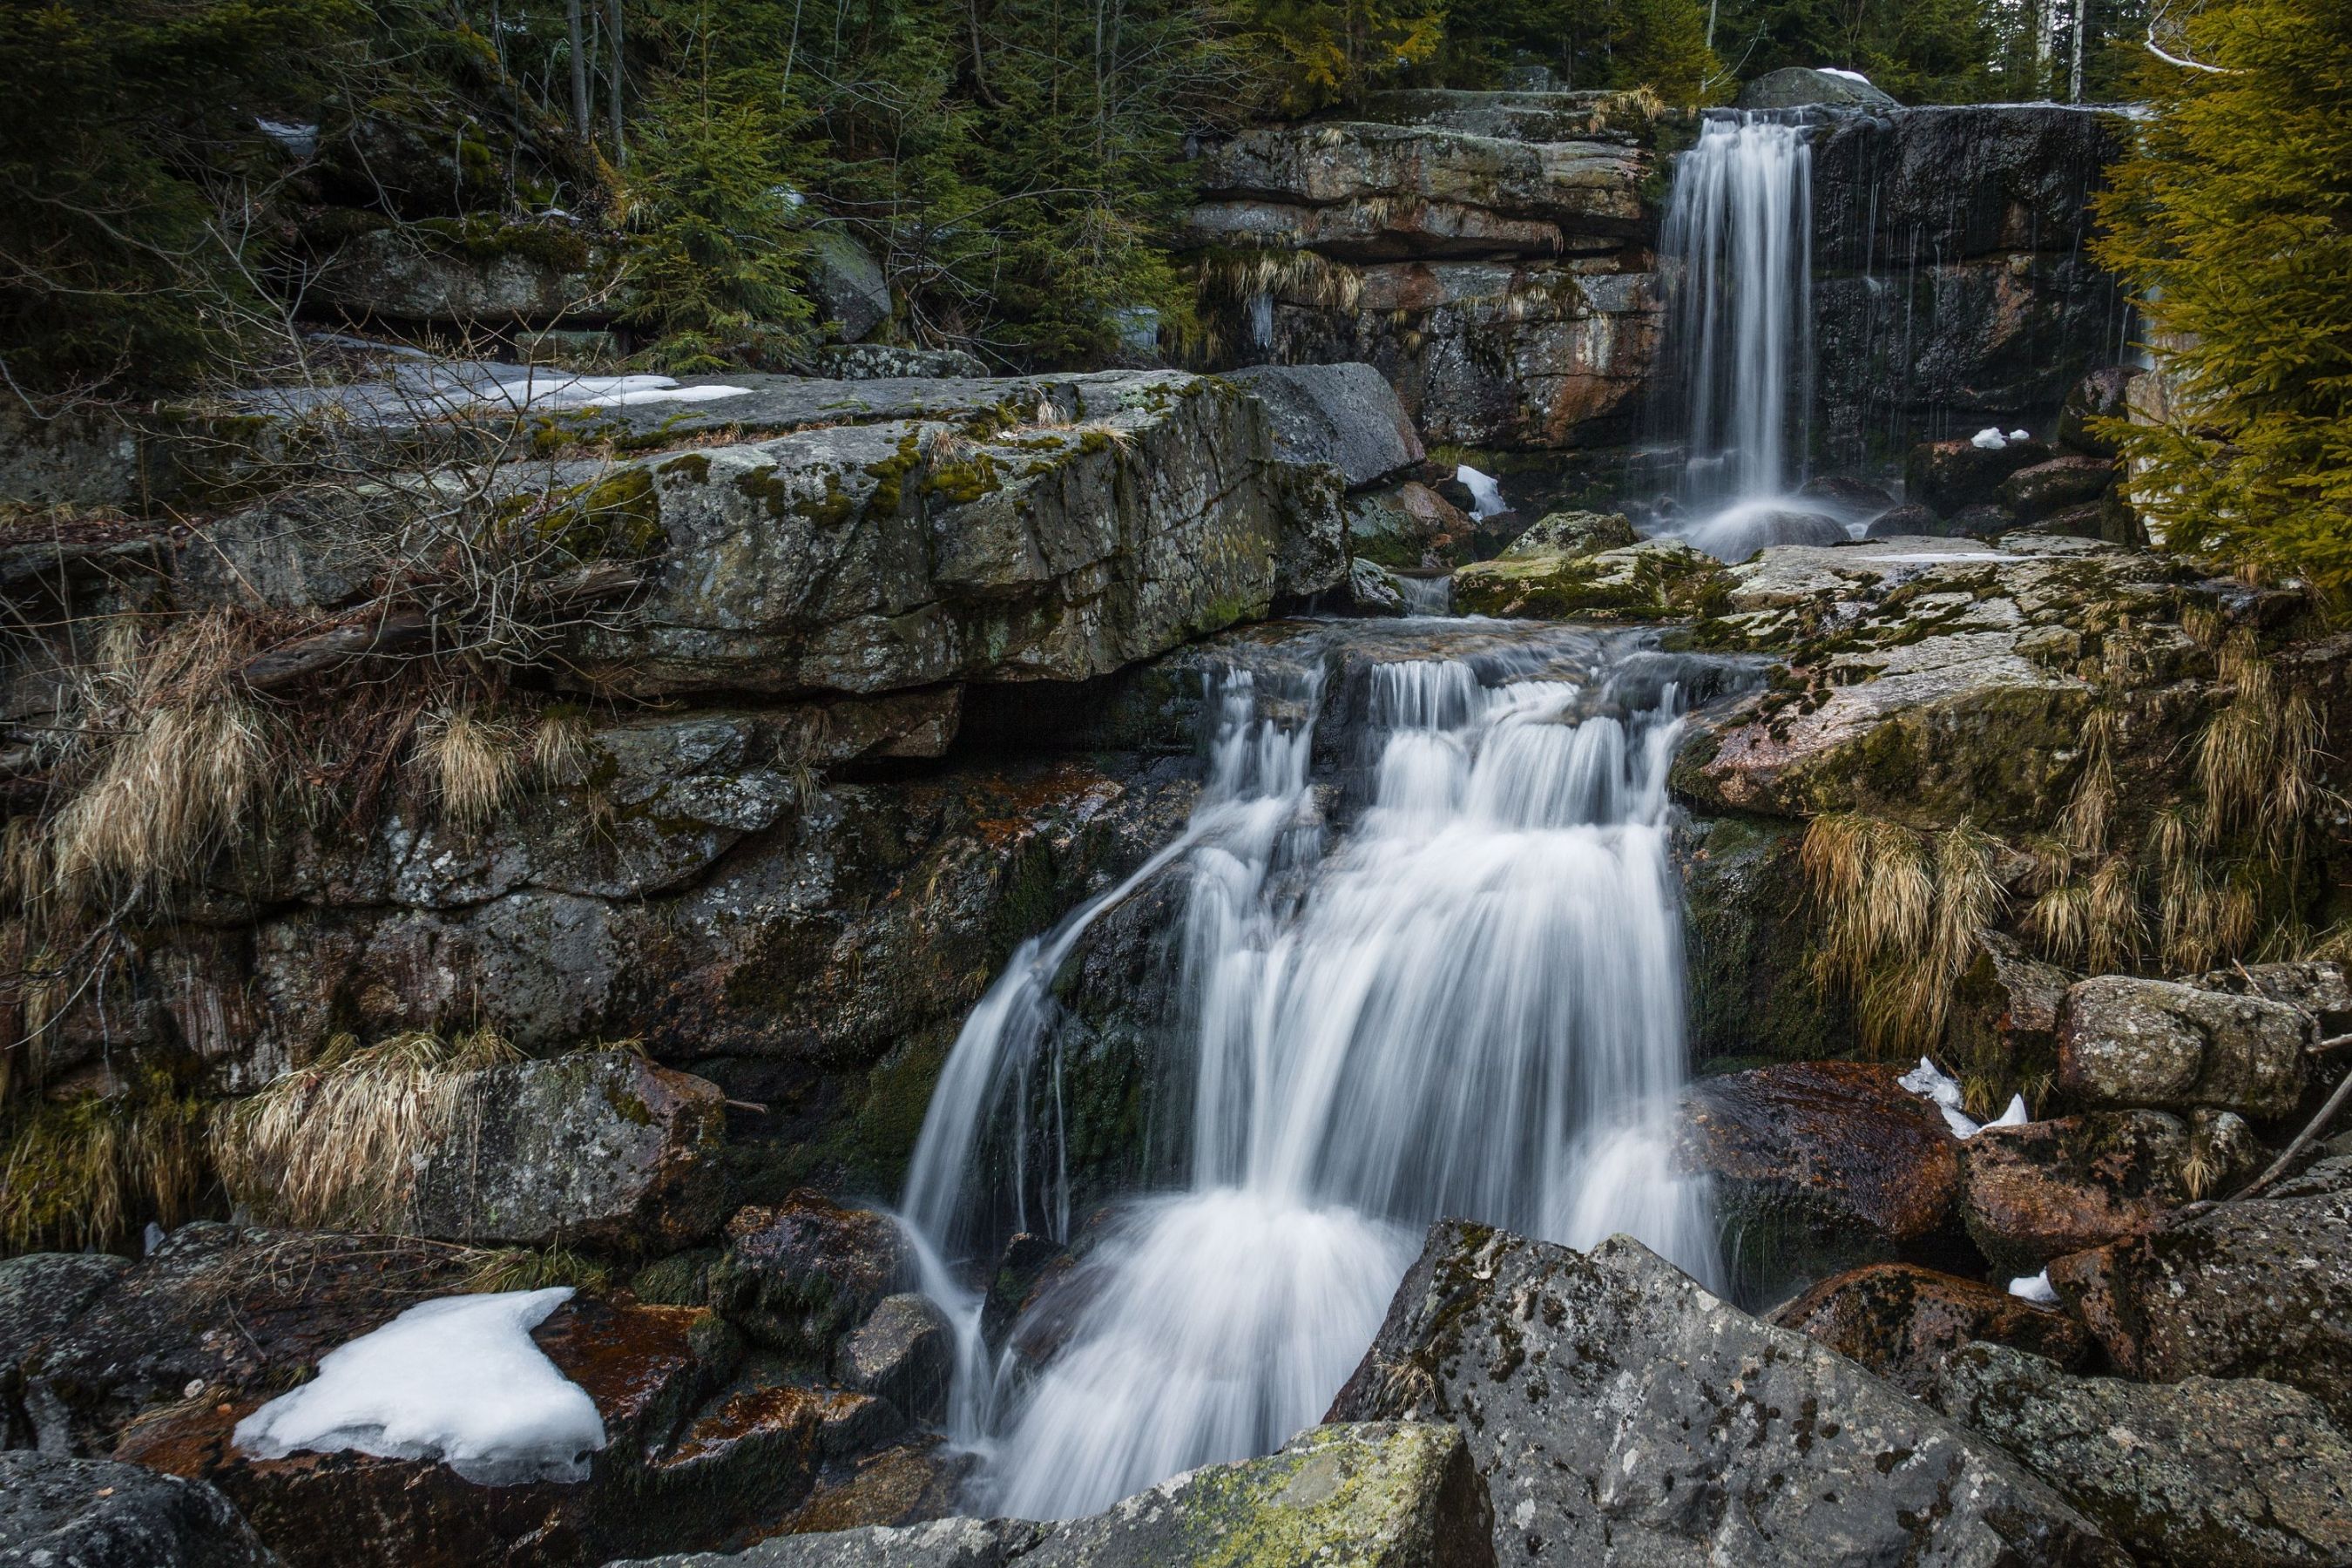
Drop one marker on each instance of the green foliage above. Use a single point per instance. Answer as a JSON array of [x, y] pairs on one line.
[[1921, 51], [129, 126], [1657, 44], [1317, 53], [2233, 221]]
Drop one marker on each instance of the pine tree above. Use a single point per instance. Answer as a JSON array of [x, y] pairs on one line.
[[2233, 221]]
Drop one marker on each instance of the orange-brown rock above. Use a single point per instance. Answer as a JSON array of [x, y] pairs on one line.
[[2037, 1191], [1900, 1320]]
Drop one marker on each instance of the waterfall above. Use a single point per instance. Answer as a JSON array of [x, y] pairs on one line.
[[1737, 243], [1468, 1002]]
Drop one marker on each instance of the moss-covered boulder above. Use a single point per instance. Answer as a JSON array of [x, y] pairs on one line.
[[1652, 579]]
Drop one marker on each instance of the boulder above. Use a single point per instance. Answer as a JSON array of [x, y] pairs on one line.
[[1909, 520], [1343, 414], [1620, 1413], [2042, 1189], [1845, 491], [2255, 1288], [598, 1149], [57, 1512], [888, 362], [2005, 1009], [1741, 532], [2319, 988], [515, 276], [1799, 87], [1945, 476], [1902, 1322], [2130, 1042], [1573, 534], [904, 1352], [799, 1275], [1818, 1167], [2045, 488], [1376, 1495], [851, 287], [2204, 1473], [1654, 580], [1412, 527], [1983, 519], [1373, 590], [2103, 394], [40, 1294]]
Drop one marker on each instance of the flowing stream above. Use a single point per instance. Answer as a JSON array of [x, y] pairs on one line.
[[1464, 998]]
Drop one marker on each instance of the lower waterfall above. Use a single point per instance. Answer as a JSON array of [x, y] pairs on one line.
[[1466, 1001]]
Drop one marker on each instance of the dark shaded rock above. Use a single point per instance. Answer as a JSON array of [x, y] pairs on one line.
[[904, 1352], [2032, 1193], [1379, 1495], [2129, 1042], [2005, 1011], [1909, 520], [58, 1512], [2251, 1289], [2206, 1473], [2089, 520], [888, 362], [1409, 528], [1818, 1166], [1948, 475], [2319, 988], [1344, 415], [1619, 1413], [851, 287], [2036, 492], [1740, 533], [522, 275], [2100, 394], [600, 1149], [40, 1294], [1846, 491], [1744, 907], [802, 1274], [1902, 1322], [921, 1479], [1798, 86], [1573, 534], [1020, 1266], [1985, 519]]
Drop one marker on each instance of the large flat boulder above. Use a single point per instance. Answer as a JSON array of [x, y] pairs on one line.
[[1376, 1495], [1344, 415], [2204, 1473], [1620, 1413]]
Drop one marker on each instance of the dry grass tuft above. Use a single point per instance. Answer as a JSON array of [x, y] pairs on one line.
[[84, 1174], [467, 761], [559, 746], [521, 1269], [333, 1145], [1904, 913]]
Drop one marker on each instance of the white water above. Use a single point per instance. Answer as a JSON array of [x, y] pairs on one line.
[[1470, 1004], [1738, 239]]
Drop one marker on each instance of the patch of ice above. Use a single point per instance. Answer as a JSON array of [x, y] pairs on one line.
[[1850, 75], [596, 391], [2034, 1288], [300, 140], [1485, 495], [2015, 1116], [1931, 1083], [457, 1380], [1988, 439]]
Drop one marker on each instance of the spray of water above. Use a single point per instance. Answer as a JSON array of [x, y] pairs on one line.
[[1469, 1003]]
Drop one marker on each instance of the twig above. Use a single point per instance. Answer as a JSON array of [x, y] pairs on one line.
[[2302, 1140]]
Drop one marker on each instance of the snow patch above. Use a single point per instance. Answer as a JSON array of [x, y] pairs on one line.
[[2034, 1288], [2015, 1116], [1930, 1082], [2021, 434], [1485, 495], [1850, 75], [1989, 439], [457, 1380], [596, 391]]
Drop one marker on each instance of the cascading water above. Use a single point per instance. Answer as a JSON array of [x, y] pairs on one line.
[[1470, 1002], [1737, 243]]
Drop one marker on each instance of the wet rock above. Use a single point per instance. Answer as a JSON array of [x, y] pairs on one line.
[[2101, 394], [1618, 1412], [904, 1352], [1573, 534], [1796, 87], [2159, 1043], [1818, 1167], [40, 1294], [1985, 519], [88, 1514], [2046, 488], [599, 1149], [851, 287], [2205, 1473], [1740, 534], [2250, 1288], [1344, 415], [2005, 1010], [1948, 475], [916, 1480], [1656, 579], [1909, 520], [2035, 1191], [1750, 925], [1412, 526], [1847, 492], [1382, 1495], [1373, 590], [1902, 1322], [802, 1274]]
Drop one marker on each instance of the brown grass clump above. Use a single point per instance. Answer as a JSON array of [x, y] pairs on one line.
[[1904, 915], [467, 760], [333, 1145], [85, 1173]]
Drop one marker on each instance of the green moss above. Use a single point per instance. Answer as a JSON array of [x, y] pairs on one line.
[[889, 475], [482, 237], [961, 484], [617, 518], [692, 468], [1094, 442]]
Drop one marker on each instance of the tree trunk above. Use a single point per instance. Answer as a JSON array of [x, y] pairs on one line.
[[2074, 76], [613, 80], [579, 35]]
